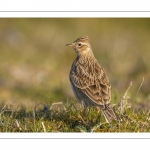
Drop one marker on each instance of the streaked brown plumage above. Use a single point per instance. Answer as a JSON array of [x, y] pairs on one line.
[[88, 79]]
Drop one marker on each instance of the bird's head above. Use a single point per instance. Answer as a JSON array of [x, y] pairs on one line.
[[81, 45]]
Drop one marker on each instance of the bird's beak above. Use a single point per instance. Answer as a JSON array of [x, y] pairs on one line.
[[70, 45]]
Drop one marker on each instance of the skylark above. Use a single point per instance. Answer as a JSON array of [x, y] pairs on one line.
[[88, 79]]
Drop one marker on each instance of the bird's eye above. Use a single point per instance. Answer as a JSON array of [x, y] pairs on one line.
[[79, 44]]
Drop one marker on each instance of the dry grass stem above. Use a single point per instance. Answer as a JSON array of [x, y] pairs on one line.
[[43, 126], [123, 102], [140, 86]]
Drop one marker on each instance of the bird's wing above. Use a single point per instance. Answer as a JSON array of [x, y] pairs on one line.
[[90, 80]]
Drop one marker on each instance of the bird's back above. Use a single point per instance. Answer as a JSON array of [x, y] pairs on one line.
[[89, 81]]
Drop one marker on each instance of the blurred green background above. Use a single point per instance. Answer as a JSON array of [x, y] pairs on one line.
[[35, 63]]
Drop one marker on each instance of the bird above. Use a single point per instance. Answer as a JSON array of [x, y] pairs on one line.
[[89, 81]]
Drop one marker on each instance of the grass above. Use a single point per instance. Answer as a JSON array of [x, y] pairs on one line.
[[35, 64], [72, 117], [68, 119]]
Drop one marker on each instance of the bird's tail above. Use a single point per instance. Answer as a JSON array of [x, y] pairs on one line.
[[109, 114]]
